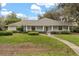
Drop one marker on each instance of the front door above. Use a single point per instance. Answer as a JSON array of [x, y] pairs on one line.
[[33, 28], [46, 28]]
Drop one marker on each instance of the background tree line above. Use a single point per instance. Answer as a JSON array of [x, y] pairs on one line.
[[64, 11], [10, 18]]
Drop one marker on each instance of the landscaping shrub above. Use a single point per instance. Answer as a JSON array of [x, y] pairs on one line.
[[65, 32], [54, 32], [33, 33], [20, 29], [5, 33], [14, 31], [62, 32], [76, 30]]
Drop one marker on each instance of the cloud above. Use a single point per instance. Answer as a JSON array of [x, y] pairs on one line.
[[4, 9], [37, 9], [3, 4], [20, 15], [32, 18], [5, 12], [47, 5], [23, 16], [41, 13]]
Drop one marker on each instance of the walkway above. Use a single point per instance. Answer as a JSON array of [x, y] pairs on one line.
[[74, 47]]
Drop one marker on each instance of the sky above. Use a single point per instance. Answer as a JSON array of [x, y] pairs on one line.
[[26, 10]]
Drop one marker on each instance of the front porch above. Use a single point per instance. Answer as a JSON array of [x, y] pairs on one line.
[[47, 28]]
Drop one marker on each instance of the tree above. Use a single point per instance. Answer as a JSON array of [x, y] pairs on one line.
[[2, 23], [52, 14], [71, 10], [40, 17], [66, 11], [11, 18]]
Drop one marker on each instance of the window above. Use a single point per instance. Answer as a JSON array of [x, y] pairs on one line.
[[33, 28], [39, 27], [28, 27], [65, 27], [55, 27], [60, 27], [71, 28]]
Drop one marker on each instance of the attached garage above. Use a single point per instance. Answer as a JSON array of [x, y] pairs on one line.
[[12, 28]]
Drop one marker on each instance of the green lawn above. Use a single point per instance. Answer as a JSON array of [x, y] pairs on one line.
[[71, 37], [55, 48]]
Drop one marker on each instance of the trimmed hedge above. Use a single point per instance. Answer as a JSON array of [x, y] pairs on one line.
[[20, 28], [33, 33], [65, 32], [14, 31], [62, 32], [54, 32], [5, 33], [76, 30]]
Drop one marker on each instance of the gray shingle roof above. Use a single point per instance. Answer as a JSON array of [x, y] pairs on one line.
[[43, 22]]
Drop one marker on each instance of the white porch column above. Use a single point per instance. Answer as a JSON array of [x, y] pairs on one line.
[[26, 28], [43, 28], [68, 28], [52, 28]]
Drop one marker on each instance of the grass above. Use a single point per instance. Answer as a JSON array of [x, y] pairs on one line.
[[71, 37], [56, 48]]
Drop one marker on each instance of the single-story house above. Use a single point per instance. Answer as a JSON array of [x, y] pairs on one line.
[[43, 25]]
